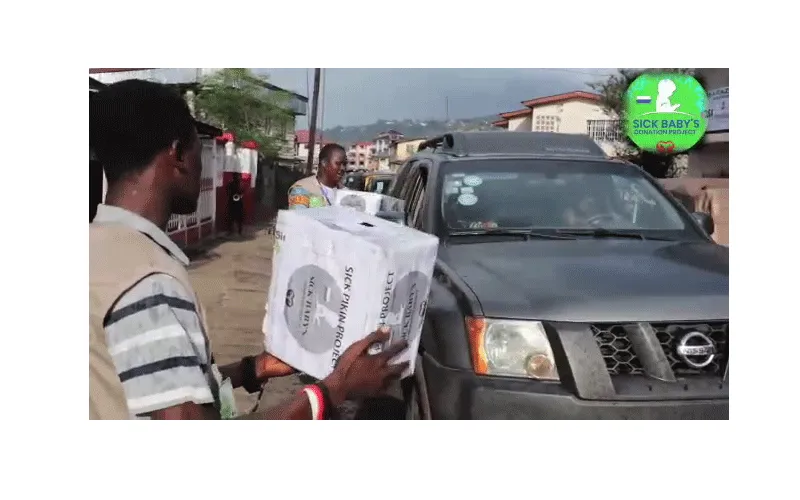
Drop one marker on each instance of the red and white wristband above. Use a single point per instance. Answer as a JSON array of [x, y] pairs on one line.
[[317, 401]]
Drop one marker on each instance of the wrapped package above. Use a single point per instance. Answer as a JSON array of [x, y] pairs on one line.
[[339, 274]]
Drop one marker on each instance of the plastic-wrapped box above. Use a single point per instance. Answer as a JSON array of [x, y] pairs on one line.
[[337, 275]]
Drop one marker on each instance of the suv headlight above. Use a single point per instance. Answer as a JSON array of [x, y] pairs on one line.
[[511, 348]]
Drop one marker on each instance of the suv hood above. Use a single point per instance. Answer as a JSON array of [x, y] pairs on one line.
[[590, 280]]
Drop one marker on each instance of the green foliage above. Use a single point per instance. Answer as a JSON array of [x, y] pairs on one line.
[[612, 92], [237, 100]]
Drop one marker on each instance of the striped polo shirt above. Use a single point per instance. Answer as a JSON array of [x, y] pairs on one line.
[[154, 334]]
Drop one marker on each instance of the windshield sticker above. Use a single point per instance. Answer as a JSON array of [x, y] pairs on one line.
[[473, 180], [467, 190], [457, 175], [467, 200], [451, 190]]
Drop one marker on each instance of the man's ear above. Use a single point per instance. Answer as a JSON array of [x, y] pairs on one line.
[[176, 151], [176, 155]]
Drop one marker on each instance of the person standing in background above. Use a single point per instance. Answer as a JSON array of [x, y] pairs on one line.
[[235, 203], [320, 190]]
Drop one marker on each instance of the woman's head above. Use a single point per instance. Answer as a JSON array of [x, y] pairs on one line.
[[332, 164]]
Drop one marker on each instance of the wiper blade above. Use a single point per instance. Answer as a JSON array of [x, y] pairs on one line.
[[527, 233], [601, 233], [609, 233]]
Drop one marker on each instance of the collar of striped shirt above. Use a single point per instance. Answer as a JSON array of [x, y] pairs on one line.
[[117, 215]]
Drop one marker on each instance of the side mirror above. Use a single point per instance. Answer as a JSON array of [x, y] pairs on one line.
[[397, 217], [705, 221]]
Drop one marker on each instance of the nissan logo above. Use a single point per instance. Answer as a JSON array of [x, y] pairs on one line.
[[696, 350]]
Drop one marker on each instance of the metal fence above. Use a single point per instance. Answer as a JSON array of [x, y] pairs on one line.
[[604, 130]]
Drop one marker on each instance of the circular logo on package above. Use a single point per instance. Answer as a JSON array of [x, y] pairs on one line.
[[407, 298], [355, 202], [312, 300], [665, 113]]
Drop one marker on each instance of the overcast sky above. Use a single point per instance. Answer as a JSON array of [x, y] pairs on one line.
[[362, 96]]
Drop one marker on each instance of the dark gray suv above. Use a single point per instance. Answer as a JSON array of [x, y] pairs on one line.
[[567, 286]]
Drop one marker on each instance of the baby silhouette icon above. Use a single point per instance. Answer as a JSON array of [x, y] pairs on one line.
[[666, 88]]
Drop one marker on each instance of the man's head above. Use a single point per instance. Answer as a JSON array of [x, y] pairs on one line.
[[332, 164], [145, 137]]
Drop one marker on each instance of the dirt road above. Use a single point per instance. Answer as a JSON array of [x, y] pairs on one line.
[[231, 278]]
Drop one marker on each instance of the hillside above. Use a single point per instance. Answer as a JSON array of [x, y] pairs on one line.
[[410, 128]]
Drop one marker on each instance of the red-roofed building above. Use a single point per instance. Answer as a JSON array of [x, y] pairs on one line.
[[576, 112], [303, 136], [301, 143]]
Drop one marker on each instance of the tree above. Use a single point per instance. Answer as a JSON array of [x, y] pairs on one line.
[[612, 92], [237, 100]]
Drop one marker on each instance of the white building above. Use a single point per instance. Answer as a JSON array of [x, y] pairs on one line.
[[570, 113]]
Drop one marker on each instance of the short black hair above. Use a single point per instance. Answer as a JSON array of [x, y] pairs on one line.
[[131, 121], [327, 150]]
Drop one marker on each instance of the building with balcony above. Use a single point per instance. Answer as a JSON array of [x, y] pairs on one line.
[[359, 155], [576, 112], [711, 158], [384, 149]]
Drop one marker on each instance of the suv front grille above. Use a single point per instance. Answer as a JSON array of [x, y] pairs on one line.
[[621, 358]]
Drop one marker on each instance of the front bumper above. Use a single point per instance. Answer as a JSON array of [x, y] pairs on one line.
[[462, 395]]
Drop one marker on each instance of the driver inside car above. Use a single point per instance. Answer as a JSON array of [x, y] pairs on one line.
[[592, 210]]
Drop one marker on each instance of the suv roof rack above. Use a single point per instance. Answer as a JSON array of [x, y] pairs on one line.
[[514, 143]]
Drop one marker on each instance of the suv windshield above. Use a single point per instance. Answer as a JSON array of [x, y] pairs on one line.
[[555, 195]]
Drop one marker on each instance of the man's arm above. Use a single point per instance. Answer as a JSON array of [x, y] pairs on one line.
[[156, 342]]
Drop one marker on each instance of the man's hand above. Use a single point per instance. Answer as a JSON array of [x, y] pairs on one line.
[[268, 366], [360, 374]]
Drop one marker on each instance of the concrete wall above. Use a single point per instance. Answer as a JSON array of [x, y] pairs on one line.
[[711, 160], [521, 124]]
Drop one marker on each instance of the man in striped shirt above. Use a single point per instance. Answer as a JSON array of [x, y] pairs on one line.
[[155, 331]]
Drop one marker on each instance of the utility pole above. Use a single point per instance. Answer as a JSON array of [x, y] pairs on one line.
[[446, 109], [312, 129]]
